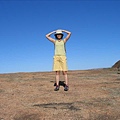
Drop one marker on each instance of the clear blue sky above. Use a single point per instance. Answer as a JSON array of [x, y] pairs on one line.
[[95, 27]]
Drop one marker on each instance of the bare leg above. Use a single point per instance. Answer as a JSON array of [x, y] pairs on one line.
[[66, 77], [57, 77]]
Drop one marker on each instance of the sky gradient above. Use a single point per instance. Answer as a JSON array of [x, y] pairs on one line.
[[94, 43]]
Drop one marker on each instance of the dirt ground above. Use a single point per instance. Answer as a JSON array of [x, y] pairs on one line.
[[92, 95]]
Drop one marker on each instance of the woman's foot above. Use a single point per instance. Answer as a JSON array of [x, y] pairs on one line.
[[56, 88], [66, 88]]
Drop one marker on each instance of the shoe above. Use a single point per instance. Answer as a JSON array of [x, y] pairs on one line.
[[56, 88], [66, 88]]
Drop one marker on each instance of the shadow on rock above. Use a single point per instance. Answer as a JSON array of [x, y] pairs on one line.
[[69, 106]]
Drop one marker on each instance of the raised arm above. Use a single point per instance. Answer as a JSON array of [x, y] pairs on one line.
[[50, 38], [68, 35]]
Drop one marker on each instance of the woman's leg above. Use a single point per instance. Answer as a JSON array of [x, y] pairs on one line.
[[57, 77], [66, 81], [57, 80], [65, 77]]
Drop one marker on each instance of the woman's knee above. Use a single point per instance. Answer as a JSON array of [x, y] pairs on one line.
[[64, 72], [57, 72]]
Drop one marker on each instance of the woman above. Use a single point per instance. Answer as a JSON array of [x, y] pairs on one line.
[[60, 60]]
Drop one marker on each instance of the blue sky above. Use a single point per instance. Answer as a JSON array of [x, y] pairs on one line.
[[94, 43]]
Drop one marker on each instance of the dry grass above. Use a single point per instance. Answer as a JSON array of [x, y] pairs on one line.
[[93, 95]]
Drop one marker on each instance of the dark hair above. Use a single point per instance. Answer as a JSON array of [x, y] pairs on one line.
[[58, 34]]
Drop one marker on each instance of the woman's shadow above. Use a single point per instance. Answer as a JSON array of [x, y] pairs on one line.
[[61, 83]]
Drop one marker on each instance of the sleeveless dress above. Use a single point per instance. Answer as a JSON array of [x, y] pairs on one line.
[[60, 59]]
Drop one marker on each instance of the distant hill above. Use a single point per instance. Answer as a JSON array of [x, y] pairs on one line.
[[116, 65]]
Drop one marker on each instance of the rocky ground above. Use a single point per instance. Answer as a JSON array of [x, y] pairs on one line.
[[92, 95]]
